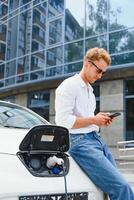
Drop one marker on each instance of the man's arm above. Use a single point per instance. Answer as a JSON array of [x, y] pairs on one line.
[[101, 119]]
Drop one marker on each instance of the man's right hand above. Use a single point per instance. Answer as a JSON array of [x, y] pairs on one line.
[[102, 119]]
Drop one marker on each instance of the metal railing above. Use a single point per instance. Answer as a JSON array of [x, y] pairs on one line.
[[126, 155]]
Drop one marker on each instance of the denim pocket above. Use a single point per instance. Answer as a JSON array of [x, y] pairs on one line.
[[75, 139]]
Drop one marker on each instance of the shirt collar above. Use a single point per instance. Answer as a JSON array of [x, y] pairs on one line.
[[83, 84]]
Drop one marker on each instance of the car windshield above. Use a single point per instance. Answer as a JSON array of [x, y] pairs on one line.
[[18, 117]]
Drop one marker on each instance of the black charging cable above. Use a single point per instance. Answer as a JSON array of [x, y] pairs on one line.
[[65, 181]]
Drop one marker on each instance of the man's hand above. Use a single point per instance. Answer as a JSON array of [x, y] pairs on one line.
[[102, 119]]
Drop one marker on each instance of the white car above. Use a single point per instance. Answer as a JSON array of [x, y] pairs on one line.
[[27, 143]]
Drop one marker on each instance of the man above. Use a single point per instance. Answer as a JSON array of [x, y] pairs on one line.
[[75, 105]]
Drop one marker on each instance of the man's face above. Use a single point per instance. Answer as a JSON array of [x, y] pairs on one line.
[[94, 70]]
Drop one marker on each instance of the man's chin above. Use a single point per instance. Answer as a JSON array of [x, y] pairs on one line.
[[93, 81]]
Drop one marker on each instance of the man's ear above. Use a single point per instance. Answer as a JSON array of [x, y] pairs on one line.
[[86, 63]]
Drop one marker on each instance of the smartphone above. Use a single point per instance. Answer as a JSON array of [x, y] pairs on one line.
[[114, 114]]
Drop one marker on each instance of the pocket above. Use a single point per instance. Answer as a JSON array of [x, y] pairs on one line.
[[75, 139]]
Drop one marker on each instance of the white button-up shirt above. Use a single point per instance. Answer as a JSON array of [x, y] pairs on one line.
[[74, 98]]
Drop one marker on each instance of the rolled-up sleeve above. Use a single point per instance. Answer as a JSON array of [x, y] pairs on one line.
[[64, 106]]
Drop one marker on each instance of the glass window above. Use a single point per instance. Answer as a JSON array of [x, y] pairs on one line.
[[130, 87], [125, 58], [55, 7], [38, 60], [97, 95], [121, 14], [55, 31], [74, 19], [37, 45], [121, 41], [2, 51], [11, 68], [39, 102], [1, 83], [11, 99], [22, 78], [37, 75], [96, 17], [3, 32], [23, 65], [39, 27], [100, 41], [54, 71], [38, 38], [71, 68], [130, 110], [55, 56], [3, 12], [13, 4], [9, 81], [25, 31], [73, 51], [2, 68], [12, 35], [18, 117], [24, 2]]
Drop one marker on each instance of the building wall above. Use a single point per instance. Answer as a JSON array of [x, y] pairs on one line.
[[52, 106], [21, 99], [112, 100]]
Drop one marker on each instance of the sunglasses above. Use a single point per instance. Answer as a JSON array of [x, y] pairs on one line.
[[100, 71]]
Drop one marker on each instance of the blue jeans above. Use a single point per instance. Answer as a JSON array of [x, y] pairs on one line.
[[94, 157]]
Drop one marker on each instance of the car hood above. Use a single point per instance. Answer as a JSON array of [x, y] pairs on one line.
[[10, 139]]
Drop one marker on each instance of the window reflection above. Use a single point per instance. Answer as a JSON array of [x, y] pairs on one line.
[[55, 31], [17, 117], [96, 17], [100, 41], [22, 78], [13, 4], [54, 71], [55, 7], [39, 102], [74, 19], [3, 11], [121, 14], [9, 81], [1, 83], [11, 68], [123, 59], [130, 110], [38, 60], [23, 2], [37, 75], [24, 42], [130, 87], [39, 27], [2, 68], [12, 34], [2, 50], [73, 51], [96, 88], [121, 41], [23, 65], [55, 56], [74, 67]]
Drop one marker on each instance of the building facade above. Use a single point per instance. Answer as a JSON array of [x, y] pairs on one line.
[[42, 42]]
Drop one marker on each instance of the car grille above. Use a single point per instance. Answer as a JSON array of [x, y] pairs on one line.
[[71, 196]]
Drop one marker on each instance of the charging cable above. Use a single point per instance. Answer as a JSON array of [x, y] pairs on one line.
[[65, 181], [54, 163]]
